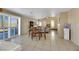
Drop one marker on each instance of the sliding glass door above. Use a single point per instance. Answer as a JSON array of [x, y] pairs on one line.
[[5, 25], [16, 27], [1, 27], [13, 26], [8, 27]]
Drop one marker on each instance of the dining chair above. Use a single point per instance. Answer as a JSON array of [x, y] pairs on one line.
[[35, 33]]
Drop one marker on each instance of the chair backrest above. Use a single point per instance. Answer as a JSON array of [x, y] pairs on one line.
[[34, 29]]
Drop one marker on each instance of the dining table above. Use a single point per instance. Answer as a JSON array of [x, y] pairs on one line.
[[39, 32], [42, 32]]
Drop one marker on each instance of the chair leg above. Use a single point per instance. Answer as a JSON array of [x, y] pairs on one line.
[[32, 36], [39, 36], [45, 36]]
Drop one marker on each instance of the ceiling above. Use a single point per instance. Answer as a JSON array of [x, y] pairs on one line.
[[38, 13]]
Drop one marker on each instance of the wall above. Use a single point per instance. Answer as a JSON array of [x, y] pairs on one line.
[[47, 20], [62, 20], [73, 19], [25, 24]]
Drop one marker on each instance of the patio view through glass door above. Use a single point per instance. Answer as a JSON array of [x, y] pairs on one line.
[[5, 27], [13, 26], [1, 27], [8, 26]]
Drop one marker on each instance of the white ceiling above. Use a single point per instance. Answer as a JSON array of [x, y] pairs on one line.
[[38, 12]]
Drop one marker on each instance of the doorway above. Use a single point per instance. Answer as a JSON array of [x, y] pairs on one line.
[[52, 24]]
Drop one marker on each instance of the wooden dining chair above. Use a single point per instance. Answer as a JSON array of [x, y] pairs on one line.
[[35, 33]]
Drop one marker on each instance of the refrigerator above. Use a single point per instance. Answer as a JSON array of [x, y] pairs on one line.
[[67, 32]]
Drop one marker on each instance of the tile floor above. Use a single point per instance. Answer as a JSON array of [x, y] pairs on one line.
[[52, 43]]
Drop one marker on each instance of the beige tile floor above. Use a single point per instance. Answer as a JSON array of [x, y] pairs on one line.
[[52, 43]]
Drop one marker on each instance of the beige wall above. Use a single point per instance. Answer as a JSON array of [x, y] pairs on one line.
[[73, 19], [25, 24], [62, 20], [47, 20]]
